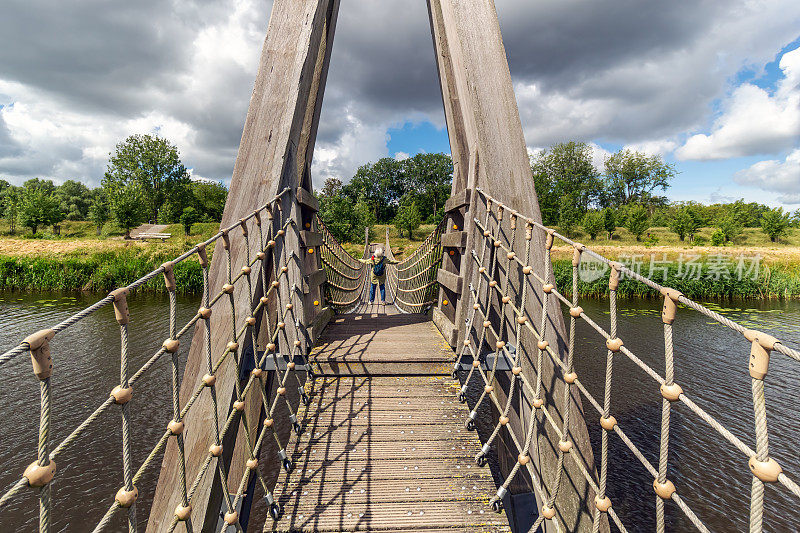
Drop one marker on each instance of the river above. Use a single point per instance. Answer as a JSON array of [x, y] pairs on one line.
[[710, 365]]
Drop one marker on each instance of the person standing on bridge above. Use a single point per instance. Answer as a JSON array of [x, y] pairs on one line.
[[378, 263]]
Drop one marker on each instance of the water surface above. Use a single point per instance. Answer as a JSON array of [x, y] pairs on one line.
[[710, 364]]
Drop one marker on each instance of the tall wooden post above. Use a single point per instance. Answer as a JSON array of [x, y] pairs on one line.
[[489, 151], [275, 152]]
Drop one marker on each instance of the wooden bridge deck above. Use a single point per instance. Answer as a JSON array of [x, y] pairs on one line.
[[385, 447]]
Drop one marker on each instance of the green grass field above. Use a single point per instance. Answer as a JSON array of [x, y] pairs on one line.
[[79, 259]]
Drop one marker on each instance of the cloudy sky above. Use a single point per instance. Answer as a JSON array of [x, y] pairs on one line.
[[713, 86]]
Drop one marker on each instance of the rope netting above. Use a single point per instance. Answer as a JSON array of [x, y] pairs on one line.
[[413, 280], [501, 232], [345, 276], [271, 261]]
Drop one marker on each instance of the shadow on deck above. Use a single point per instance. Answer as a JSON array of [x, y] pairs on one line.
[[384, 446]]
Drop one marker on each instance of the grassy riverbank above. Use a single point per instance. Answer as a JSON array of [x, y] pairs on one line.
[[80, 261], [773, 281]]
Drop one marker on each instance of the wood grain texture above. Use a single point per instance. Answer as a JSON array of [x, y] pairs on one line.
[[275, 152], [379, 454], [487, 139]]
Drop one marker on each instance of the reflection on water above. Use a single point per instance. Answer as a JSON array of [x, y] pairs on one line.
[[86, 368], [710, 365]]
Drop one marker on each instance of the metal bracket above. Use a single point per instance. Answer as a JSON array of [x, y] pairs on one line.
[[487, 360], [283, 361]]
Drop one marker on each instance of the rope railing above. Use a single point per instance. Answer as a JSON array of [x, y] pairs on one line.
[[491, 288], [412, 282], [40, 473], [345, 276]]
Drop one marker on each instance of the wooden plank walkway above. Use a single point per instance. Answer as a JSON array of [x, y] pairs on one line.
[[385, 447]]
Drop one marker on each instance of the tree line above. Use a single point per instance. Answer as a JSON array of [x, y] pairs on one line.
[[574, 195], [144, 181], [406, 193]]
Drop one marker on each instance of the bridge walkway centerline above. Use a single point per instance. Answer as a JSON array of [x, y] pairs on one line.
[[384, 448]]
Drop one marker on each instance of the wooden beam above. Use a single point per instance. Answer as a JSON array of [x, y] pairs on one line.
[[454, 282], [455, 239], [314, 279], [304, 197], [275, 152], [310, 239], [459, 199], [489, 152], [446, 328]]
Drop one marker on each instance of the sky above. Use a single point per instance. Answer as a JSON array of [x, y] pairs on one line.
[[712, 86]]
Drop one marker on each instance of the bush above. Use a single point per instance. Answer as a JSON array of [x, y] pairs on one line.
[[189, 217], [593, 223], [730, 227], [568, 216], [718, 238], [609, 222], [651, 240], [699, 240], [408, 218], [774, 223], [637, 221]]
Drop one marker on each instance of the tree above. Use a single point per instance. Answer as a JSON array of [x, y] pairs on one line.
[[593, 223], [408, 218], [638, 221], [730, 226], [126, 205], [346, 219], [382, 185], [428, 178], [774, 223], [153, 163], [565, 169], [98, 211], [684, 223], [609, 222], [74, 199], [332, 187], [38, 206], [189, 217], [631, 177], [10, 200], [209, 198], [569, 215]]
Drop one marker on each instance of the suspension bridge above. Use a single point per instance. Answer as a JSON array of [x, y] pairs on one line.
[[298, 405]]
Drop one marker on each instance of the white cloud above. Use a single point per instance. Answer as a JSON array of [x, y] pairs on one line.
[[754, 121], [782, 177], [658, 147], [401, 156], [358, 143], [75, 79], [599, 156]]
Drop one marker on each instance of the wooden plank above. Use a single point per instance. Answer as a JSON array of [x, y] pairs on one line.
[[367, 475], [455, 239], [310, 239], [272, 139], [306, 198], [457, 200], [454, 282]]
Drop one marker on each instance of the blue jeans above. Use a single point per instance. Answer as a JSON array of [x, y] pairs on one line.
[[372, 292]]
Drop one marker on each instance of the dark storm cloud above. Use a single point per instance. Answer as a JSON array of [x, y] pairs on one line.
[[625, 71], [562, 43]]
